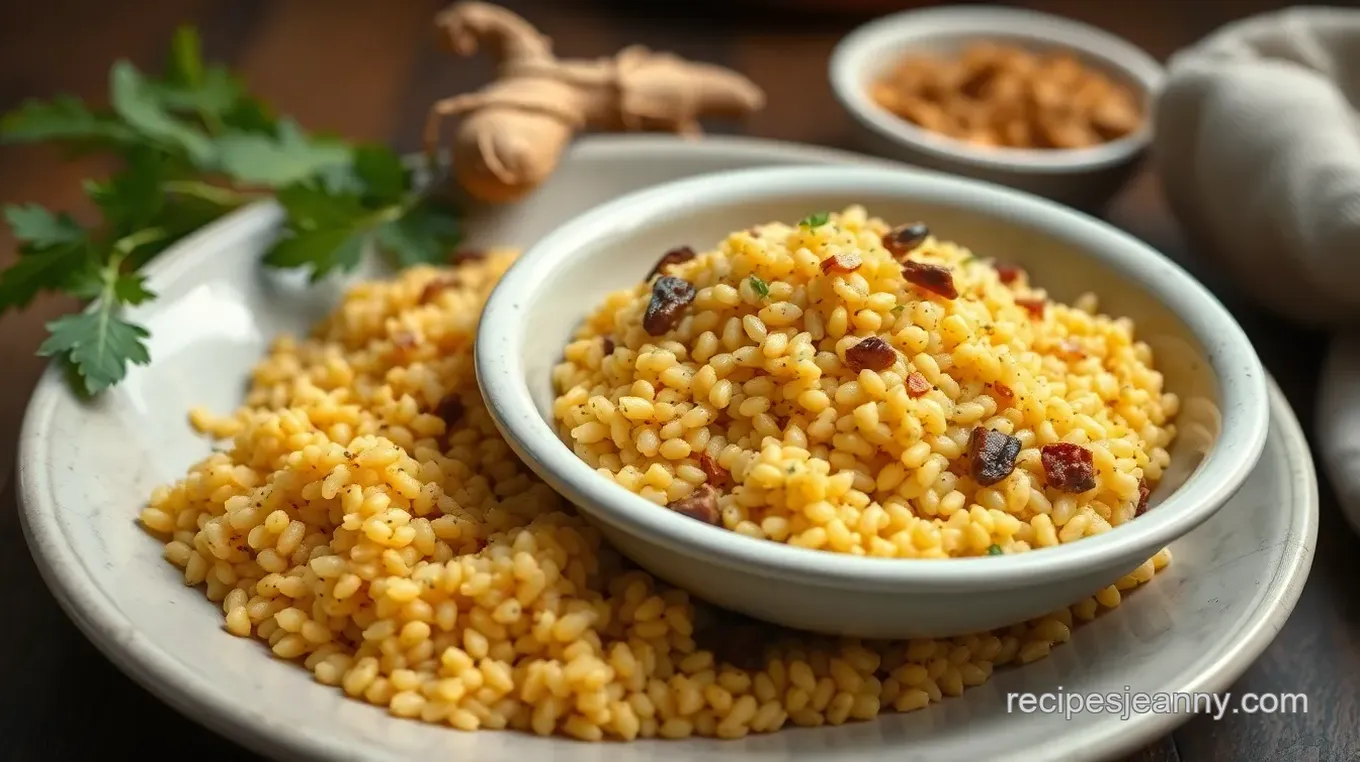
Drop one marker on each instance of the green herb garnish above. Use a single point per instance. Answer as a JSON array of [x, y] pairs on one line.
[[816, 220], [994, 550], [759, 286], [193, 146], [898, 309]]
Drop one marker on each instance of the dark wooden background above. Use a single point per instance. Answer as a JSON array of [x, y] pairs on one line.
[[367, 69]]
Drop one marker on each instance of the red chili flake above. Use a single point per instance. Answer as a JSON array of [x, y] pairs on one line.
[[403, 340], [716, 474], [873, 353], [673, 257], [670, 297], [1068, 467], [701, 504], [450, 409], [934, 278], [991, 455], [464, 256], [1143, 492], [1034, 307], [1005, 397], [607, 345], [900, 241], [436, 287], [1008, 274], [917, 385], [841, 263]]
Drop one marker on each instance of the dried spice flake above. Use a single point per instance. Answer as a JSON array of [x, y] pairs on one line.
[[917, 385], [1144, 491], [404, 340], [464, 256], [1008, 274], [991, 455], [715, 473], [1035, 307], [1068, 467], [606, 346], [901, 241], [872, 353], [670, 297], [936, 279], [1005, 396], [701, 504], [436, 287], [673, 257], [841, 263]]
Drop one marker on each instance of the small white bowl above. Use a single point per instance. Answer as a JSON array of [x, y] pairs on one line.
[[1204, 355], [1085, 177]]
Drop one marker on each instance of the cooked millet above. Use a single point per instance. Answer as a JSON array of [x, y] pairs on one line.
[[429, 572]]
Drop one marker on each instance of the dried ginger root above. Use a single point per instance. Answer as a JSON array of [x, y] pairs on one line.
[[512, 132]]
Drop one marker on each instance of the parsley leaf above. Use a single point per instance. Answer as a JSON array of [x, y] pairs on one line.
[[275, 161], [195, 145], [137, 102], [816, 220], [759, 286], [898, 309], [424, 235], [99, 345], [994, 550], [321, 250], [54, 255], [37, 229], [63, 118]]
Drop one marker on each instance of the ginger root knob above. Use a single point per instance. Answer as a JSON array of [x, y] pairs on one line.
[[512, 133]]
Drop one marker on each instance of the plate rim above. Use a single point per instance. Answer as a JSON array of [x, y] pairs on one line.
[[119, 639]]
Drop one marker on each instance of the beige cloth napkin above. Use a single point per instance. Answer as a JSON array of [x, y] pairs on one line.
[[1258, 147]]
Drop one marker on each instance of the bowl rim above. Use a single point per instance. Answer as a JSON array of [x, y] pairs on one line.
[[500, 370], [856, 52]]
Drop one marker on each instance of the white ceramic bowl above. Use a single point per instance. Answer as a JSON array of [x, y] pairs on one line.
[[1085, 178], [1204, 354]]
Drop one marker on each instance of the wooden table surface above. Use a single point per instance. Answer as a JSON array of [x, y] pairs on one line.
[[367, 70]]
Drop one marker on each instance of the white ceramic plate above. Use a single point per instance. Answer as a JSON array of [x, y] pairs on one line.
[[85, 470]]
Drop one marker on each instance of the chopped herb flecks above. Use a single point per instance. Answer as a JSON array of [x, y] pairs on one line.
[[759, 286], [816, 220]]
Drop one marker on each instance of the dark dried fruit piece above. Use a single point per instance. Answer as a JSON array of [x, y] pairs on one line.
[[991, 455], [872, 353], [1068, 467], [450, 410], [1143, 492], [607, 346], [934, 278], [436, 287], [1008, 274], [900, 241], [670, 297], [716, 474], [701, 504], [673, 257], [1005, 397], [1034, 307], [841, 263], [917, 385]]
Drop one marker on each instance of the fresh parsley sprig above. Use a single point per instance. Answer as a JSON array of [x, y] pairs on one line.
[[194, 145]]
